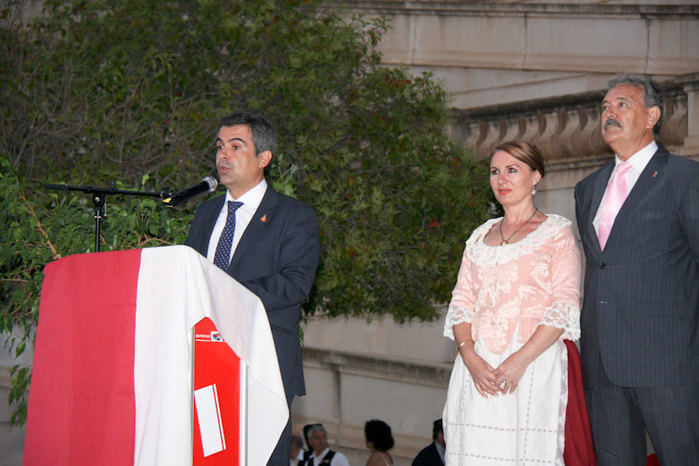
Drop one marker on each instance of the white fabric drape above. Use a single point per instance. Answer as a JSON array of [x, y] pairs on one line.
[[177, 287]]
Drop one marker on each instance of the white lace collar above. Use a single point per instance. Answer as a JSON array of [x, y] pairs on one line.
[[481, 251]]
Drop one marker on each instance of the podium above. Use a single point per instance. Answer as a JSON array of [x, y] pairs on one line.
[[112, 380]]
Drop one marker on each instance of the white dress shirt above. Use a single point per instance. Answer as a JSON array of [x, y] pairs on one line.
[[441, 451], [638, 162], [338, 460], [251, 201]]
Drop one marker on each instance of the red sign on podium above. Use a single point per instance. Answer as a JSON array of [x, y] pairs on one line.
[[218, 400]]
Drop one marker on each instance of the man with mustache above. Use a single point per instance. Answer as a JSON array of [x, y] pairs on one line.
[[638, 218], [265, 240]]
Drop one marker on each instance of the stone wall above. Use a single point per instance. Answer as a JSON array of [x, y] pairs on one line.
[[347, 389], [501, 52], [11, 437]]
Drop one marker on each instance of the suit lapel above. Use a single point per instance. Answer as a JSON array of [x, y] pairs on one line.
[[650, 176], [599, 188], [208, 219], [257, 224]]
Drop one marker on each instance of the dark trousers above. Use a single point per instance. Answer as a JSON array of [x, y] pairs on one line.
[[620, 416], [280, 455]]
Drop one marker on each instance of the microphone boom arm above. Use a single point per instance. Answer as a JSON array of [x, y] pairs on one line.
[[99, 196]]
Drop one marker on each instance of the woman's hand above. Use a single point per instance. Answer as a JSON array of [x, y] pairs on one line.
[[483, 375], [512, 369], [510, 372]]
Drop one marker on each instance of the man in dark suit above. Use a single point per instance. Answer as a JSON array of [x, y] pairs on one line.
[[266, 241], [433, 454], [638, 219]]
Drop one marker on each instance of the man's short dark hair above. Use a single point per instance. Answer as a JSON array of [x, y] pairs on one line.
[[437, 428], [264, 137], [652, 96]]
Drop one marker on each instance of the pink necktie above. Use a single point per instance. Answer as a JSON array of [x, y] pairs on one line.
[[613, 200]]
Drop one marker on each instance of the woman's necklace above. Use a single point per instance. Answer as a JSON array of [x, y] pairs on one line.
[[505, 241]]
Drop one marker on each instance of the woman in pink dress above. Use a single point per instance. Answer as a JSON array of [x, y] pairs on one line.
[[517, 296]]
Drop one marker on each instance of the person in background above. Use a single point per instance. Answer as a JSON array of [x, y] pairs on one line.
[[320, 454], [297, 451], [433, 454], [306, 431], [379, 440]]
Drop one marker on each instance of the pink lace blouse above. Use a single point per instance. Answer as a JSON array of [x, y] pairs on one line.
[[535, 281]]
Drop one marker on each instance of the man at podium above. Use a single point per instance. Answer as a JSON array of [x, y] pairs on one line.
[[265, 240]]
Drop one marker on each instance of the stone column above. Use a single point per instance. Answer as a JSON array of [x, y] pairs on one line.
[[691, 87]]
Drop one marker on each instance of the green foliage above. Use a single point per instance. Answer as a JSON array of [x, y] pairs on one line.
[[104, 90], [40, 227], [20, 378]]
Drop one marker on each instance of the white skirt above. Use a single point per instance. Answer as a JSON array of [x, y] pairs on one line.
[[522, 428]]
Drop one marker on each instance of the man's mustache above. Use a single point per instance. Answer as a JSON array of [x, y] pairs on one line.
[[611, 122]]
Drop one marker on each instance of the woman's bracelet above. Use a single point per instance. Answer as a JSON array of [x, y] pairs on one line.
[[461, 344]]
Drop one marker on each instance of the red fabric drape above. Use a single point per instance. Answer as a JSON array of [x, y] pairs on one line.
[[579, 449], [81, 403]]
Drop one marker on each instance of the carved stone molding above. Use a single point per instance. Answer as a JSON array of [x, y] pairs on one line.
[[565, 127], [452, 7], [584, 37], [429, 374]]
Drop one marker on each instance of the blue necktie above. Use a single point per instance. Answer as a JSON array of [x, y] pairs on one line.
[[223, 249]]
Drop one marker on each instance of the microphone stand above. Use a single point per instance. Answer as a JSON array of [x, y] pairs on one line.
[[99, 198]]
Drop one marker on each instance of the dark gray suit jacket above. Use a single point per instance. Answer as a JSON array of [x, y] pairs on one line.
[[640, 313], [276, 259], [428, 456]]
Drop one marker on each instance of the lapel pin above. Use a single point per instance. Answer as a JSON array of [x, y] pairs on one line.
[[263, 219], [655, 173]]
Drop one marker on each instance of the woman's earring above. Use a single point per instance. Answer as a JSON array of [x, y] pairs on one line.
[[534, 190]]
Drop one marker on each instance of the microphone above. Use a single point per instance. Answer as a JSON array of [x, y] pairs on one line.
[[206, 185]]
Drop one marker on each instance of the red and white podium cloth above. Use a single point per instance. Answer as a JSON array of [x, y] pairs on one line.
[[112, 374]]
